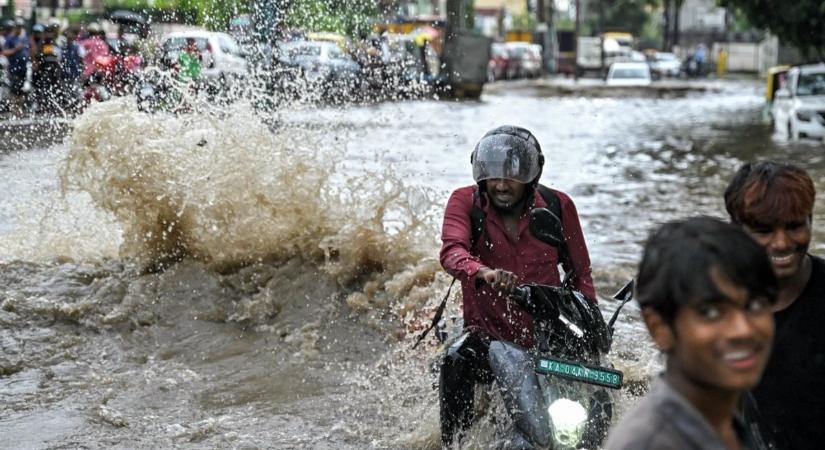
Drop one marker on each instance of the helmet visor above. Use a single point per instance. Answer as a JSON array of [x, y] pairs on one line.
[[506, 157]]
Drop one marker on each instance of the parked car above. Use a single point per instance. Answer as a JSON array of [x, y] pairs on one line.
[[527, 59], [223, 60], [403, 61], [665, 64], [628, 74], [799, 107], [323, 64], [531, 61], [499, 64]]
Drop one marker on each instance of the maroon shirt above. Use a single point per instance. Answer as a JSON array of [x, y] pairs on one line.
[[530, 259]]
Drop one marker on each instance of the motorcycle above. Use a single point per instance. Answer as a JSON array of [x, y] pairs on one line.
[[46, 79], [158, 91], [556, 393], [113, 74]]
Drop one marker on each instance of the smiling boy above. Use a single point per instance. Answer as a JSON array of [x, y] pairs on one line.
[[705, 289], [773, 202]]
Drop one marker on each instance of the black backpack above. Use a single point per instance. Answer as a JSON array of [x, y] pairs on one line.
[[478, 220]]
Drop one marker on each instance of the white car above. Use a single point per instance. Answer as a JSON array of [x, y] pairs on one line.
[[799, 106], [223, 60], [628, 74], [666, 64], [527, 58]]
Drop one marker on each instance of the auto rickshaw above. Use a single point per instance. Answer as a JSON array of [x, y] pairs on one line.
[[775, 81]]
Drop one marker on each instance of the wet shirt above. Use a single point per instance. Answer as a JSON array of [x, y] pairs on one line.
[[530, 259], [791, 395], [17, 61], [72, 61], [190, 66], [665, 420], [93, 48]]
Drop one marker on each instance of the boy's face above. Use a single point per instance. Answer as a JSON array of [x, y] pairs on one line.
[[786, 243], [721, 343]]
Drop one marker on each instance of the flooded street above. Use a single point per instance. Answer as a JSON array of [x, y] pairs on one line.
[[221, 281]]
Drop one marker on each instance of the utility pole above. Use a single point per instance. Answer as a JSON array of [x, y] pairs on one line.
[[576, 37], [666, 33], [677, 9], [546, 34], [601, 38]]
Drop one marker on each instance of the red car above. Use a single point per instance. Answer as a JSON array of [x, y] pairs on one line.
[[500, 66]]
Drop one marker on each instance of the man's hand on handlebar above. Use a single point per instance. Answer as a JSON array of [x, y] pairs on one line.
[[500, 280]]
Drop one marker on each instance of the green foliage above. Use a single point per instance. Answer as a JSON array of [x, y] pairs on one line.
[[213, 14], [565, 24], [651, 35], [347, 17], [800, 23], [524, 21], [78, 16], [622, 15]]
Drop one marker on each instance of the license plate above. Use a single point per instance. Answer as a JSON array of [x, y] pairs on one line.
[[600, 376]]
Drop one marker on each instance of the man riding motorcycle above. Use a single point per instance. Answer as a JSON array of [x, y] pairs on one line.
[[487, 245], [46, 66]]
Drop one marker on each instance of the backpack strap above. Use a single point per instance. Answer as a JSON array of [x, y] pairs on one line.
[[478, 220], [551, 198], [478, 228]]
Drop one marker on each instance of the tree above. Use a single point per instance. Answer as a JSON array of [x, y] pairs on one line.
[[799, 22], [623, 15], [349, 17], [671, 10]]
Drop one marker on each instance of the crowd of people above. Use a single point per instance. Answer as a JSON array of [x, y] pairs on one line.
[[51, 66], [733, 306]]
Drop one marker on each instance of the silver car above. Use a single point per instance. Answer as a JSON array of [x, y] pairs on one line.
[[223, 60]]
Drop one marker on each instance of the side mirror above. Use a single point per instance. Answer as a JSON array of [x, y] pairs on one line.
[[782, 93], [546, 227]]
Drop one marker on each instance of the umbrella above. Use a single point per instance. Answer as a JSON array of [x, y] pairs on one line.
[[127, 18]]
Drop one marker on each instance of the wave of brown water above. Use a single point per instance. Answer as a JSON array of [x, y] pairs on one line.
[[209, 281]]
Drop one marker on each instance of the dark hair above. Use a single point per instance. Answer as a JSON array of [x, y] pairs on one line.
[[769, 193], [678, 258]]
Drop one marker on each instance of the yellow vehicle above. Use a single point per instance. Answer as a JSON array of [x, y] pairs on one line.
[[775, 80], [519, 36], [325, 36], [621, 38]]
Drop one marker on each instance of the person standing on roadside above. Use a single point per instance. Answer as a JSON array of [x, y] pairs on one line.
[[774, 203], [72, 66], [16, 50], [705, 289]]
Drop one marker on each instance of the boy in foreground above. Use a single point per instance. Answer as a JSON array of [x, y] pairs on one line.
[[705, 289]]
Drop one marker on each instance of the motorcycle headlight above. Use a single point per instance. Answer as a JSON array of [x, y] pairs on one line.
[[569, 419], [804, 115]]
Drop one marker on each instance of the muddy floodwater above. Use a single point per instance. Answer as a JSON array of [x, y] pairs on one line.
[[227, 280]]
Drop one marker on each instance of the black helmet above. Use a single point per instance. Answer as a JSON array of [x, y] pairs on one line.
[[508, 152]]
